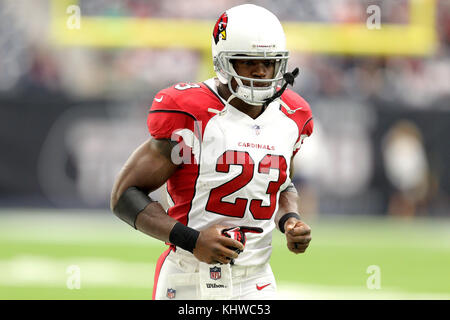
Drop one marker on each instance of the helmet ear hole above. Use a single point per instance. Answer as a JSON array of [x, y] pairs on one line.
[[221, 74]]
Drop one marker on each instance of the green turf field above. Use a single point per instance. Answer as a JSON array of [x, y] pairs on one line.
[[39, 249]]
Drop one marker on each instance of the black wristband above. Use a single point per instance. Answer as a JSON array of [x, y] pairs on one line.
[[284, 219], [130, 204], [184, 237]]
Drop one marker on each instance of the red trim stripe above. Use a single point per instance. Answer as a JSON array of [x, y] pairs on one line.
[[159, 265], [182, 189]]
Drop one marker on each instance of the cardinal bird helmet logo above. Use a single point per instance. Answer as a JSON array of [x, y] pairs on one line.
[[220, 29]]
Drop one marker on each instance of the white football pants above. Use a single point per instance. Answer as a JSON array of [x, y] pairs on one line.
[[177, 277]]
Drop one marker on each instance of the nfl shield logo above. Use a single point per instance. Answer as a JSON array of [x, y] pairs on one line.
[[215, 273], [171, 293], [257, 129]]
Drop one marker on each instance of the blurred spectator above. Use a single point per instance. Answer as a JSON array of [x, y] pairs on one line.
[[406, 168], [43, 73]]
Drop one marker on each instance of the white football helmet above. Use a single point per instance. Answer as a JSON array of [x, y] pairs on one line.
[[249, 32]]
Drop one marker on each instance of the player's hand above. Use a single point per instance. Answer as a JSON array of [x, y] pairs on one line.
[[211, 246], [298, 235]]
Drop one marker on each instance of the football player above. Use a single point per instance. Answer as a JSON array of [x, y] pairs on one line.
[[225, 148]]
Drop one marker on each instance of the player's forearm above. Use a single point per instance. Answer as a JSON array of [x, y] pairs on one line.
[[288, 202], [137, 209], [155, 222]]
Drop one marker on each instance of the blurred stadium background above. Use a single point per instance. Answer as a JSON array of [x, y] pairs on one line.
[[374, 179]]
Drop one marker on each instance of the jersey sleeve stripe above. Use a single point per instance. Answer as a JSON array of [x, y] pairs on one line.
[[306, 123], [173, 111]]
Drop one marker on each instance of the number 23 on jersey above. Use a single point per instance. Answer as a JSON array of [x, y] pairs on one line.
[[237, 209]]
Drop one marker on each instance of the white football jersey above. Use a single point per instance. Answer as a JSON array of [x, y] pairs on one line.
[[232, 167]]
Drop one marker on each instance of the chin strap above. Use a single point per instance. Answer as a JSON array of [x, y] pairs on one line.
[[289, 77], [230, 98]]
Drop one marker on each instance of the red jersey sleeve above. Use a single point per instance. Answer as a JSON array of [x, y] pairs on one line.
[[300, 112], [166, 117]]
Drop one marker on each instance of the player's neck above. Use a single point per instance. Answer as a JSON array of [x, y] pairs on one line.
[[250, 110]]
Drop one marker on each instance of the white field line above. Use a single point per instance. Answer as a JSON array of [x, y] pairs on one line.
[[23, 271], [27, 270]]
